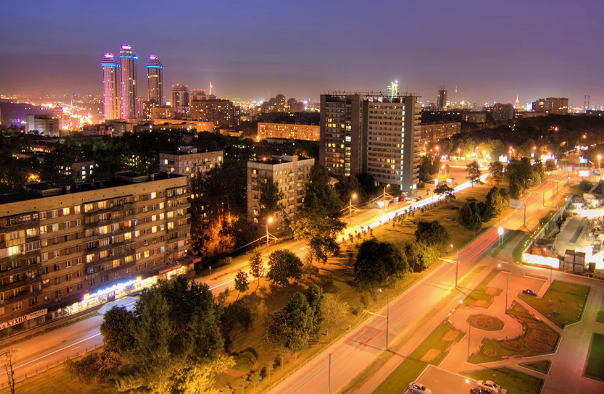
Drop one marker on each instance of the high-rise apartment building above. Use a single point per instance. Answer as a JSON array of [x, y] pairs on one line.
[[155, 81], [43, 124], [221, 112], [111, 87], [290, 173], [63, 249], [371, 133], [180, 99], [189, 161], [551, 106], [128, 60], [441, 99], [503, 111]]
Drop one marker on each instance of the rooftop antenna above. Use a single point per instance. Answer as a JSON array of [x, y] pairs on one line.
[[211, 86]]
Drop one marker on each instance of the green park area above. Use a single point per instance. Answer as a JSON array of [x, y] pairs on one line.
[[538, 338], [482, 296], [539, 366], [600, 317], [595, 360], [514, 381], [562, 303], [431, 351]]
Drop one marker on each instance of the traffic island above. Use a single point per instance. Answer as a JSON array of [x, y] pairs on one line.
[[485, 322], [537, 338], [563, 303], [594, 368], [514, 381], [482, 296]]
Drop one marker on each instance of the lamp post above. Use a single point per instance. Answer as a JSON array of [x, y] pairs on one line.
[[354, 195], [384, 196], [387, 316], [269, 220], [500, 233], [469, 336], [459, 153], [507, 279], [456, 266]]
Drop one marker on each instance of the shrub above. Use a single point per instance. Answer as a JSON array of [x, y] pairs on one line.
[[94, 367], [245, 360]]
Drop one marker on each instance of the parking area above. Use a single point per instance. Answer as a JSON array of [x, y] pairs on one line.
[[517, 283], [444, 382]]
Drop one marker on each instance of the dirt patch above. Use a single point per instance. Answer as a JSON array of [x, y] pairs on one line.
[[451, 335], [480, 303], [431, 354], [491, 291]]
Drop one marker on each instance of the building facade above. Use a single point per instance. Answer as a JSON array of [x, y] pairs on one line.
[[111, 87], [221, 112], [371, 133], [128, 60], [438, 131], [180, 99], [189, 162], [503, 111], [62, 248], [155, 81], [441, 99], [290, 173], [551, 106], [289, 131], [43, 124]]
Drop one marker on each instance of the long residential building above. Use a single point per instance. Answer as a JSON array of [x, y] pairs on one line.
[[437, 131], [371, 133], [551, 106], [64, 249], [189, 161], [290, 173], [289, 131]]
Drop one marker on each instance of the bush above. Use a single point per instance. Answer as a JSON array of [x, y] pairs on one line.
[[365, 300], [245, 360], [94, 367]]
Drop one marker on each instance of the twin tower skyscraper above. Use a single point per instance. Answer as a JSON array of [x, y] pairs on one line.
[[120, 100]]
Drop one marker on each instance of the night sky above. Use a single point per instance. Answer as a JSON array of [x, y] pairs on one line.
[[492, 50]]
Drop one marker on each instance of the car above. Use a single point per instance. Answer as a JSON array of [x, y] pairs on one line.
[[529, 292], [418, 388], [490, 386], [479, 390]]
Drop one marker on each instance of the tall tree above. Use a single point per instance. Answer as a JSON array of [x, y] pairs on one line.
[[496, 171], [443, 189], [376, 262], [284, 265], [241, 282], [473, 172], [334, 310], [270, 197], [319, 220], [497, 200], [469, 217], [116, 329], [314, 296], [257, 266], [432, 234]]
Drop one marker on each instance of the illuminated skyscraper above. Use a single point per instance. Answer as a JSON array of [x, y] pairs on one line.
[[180, 99], [155, 80], [111, 87], [128, 83]]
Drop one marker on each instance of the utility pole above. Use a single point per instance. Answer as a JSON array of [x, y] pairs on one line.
[[329, 376], [387, 318], [469, 337], [456, 267], [350, 207], [269, 220]]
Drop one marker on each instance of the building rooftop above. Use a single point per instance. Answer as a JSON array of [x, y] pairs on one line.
[[188, 150], [280, 159], [35, 190]]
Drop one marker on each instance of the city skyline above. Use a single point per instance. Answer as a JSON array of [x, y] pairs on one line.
[[255, 52]]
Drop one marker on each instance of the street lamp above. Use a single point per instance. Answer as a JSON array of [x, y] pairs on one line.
[[500, 233], [354, 195], [269, 220], [456, 265], [384, 197], [387, 315], [458, 153], [507, 279]]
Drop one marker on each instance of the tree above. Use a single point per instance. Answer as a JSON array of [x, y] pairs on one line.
[[257, 266], [497, 200], [255, 378], [469, 217], [270, 197], [291, 327], [116, 329], [319, 220], [314, 296], [94, 367], [473, 172], [376, 262], [237, 315], [443, 188], [550, 165], [241, 283], [432, 234], [496, 171], [420, 256], [334, 310], [9, 360], [268, 370], [585, 186], [284, 265], [425, 169], [485, 211]]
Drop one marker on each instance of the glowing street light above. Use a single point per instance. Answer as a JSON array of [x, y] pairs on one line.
[[456, 265], [269, 220], [354, 195]]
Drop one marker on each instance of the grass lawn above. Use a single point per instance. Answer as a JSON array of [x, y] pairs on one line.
[[600, 317], [432, 351], [538, 339], [57, 380], [515, 381], [483, 295], [539, 366], [562, 303], [595, 361]]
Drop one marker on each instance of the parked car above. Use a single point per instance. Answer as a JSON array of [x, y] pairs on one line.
[[490, 386], [479, 390], [529, 292], [418, 388]]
